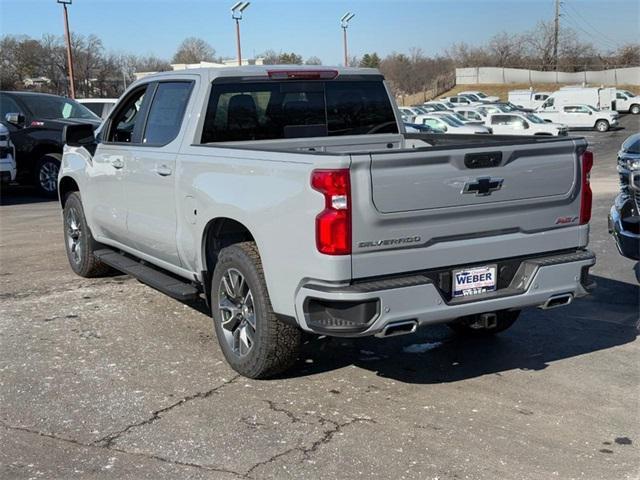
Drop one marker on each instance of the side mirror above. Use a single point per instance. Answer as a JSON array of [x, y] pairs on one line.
[[16, 119], [80, 135]]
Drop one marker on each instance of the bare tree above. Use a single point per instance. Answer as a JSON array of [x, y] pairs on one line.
[[313, 61], [194, 50]]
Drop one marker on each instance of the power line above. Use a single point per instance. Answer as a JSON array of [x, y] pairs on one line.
[[574, 23], [590, 25]]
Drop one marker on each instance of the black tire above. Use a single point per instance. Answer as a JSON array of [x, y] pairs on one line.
[[79, 242], [602, 126], [465, 326], [46, 175], [274, 344], [635, 109]]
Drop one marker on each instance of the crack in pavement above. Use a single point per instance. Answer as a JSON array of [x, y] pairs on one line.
[[308, 451], [108, 440], [288, 413], [119, 450]]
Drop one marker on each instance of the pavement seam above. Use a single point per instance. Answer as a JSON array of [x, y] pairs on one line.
[[108, 440]]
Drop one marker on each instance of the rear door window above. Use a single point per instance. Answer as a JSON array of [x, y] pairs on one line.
[[294, 109], [166, 112]]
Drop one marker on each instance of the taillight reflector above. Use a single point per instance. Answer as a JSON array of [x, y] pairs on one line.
[[333, 224], [586, 197]]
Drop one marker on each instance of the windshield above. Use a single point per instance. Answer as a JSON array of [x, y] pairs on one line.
[[594, 109], [47, 107], [481, 95], [632, 144], [451, 121], [457, 116], [534, 118], [628, 93], [472, 97], [438, 107]]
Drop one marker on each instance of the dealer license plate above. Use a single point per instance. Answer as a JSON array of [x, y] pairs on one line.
[[473, 281]]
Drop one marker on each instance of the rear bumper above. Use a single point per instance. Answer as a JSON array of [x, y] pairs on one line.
[[367, 308]]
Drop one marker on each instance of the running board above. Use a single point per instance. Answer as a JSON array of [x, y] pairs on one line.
[[149, 275]]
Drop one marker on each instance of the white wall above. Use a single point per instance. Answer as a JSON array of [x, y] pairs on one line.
[[618, 76]]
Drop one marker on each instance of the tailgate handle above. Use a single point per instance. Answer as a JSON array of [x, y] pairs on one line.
[[483, 160]]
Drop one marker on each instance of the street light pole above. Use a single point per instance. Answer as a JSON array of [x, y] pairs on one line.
[[67, 35], [344, 23], [236, 14]]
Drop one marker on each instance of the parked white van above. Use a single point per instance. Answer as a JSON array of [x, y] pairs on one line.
[[528, 98], [600, 98]]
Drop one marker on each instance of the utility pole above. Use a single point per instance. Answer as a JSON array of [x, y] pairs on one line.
[[556, 34], [67, 35], [344, 23], [236, 14]]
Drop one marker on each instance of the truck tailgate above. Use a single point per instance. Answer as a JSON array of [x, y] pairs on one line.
[[446, 206]]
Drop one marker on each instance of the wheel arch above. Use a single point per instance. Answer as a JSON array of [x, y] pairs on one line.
[[66, 185], [219, 233]]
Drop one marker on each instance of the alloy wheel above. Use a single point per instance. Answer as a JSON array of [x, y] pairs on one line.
[[74, 235], [237, 315], [48, 176]]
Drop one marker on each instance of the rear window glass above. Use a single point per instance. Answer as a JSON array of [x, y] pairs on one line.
[[166, 112], [294, 109]]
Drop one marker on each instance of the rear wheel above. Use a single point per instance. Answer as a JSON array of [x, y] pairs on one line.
[[46, 174], [479, 326], [255, 342], [79, 242], [602, 125], [635, 109]]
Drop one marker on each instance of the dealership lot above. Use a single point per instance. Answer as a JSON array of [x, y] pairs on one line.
[[106, 378]]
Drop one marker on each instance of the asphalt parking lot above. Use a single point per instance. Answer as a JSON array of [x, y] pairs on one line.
[[107, 378]]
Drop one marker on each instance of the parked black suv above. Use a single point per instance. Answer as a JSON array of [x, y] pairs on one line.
[[35, 122]]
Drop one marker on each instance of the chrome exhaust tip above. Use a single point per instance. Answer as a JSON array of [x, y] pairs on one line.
[[557, 301], [399, 328]]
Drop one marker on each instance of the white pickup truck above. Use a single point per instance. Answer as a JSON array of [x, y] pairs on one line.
[[627, 101], [523, 123], [578, 116], [293, 200]]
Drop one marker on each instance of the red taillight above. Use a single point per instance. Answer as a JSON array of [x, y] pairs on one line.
[[333, 224], [302, 74], [586, 196]]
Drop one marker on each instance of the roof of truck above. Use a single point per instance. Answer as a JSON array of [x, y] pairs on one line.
[[261, 70]]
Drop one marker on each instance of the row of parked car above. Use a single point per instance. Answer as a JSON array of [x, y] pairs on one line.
[[526, 113]]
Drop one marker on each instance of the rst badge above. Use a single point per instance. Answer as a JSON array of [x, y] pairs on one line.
[[472, 281]]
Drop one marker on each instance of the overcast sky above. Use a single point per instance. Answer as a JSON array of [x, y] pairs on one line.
[[311, 27]]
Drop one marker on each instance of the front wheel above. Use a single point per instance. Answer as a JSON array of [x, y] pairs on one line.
[[476, 326], [79, 242], [255, 342], [602, 125], [635, 109], [46, 174]]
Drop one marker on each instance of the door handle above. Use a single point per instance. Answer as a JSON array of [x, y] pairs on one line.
[[163, 171], [117, 162]]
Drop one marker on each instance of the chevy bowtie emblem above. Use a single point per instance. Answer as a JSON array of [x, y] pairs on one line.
[[483, 186]]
